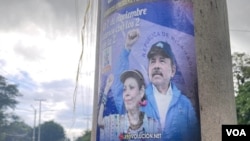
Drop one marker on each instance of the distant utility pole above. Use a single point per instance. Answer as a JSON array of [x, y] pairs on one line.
[[88, 119], [34, 126], [39, 129]]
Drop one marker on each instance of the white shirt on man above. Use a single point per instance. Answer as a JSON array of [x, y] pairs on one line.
[[162, 102]]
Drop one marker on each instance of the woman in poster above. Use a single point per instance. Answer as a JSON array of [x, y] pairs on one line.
[[134, 124]]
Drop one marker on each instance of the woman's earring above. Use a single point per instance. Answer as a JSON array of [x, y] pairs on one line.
[[143, 102]]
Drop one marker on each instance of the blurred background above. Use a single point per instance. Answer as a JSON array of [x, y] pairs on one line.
[[40, 48]]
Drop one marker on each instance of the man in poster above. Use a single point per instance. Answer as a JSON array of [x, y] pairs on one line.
[[166, 103]]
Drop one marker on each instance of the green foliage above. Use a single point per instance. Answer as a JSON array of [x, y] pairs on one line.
[[241, 68], [8, 95], [243, 104], [18, 130], [51, 131], [85, 137], [241, 73]]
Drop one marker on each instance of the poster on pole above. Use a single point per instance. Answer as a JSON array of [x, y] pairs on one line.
[[148, 76]]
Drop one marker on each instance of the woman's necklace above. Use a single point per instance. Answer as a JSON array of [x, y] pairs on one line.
[[139, 123]]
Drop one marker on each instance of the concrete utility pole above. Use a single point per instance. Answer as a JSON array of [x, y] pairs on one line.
[[214, 66], [34, 126], [39, 128]]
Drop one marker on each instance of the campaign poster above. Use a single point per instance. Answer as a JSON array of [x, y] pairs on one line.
[[148, 76]]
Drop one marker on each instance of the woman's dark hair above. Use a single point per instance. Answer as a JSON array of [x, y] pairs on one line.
[[137, 75]]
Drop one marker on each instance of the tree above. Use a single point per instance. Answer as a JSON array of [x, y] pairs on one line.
[[18, 130], [243, 103], [241, 68], [241, 73], [85, 137], [8, 94], [51, 131]]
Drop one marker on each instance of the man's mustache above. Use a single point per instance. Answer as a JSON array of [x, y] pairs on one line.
[[157, 73]]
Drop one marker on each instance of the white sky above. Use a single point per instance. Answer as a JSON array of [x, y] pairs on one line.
[[40, 48], [39, 51], [239, 24]]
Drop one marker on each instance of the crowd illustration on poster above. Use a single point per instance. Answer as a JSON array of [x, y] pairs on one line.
[[148, 78]]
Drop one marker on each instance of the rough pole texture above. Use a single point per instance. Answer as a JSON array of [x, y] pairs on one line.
[[215, 80]]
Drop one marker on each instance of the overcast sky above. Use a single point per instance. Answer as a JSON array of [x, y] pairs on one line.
[[239, 24], [40, 48], [39, 51]]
